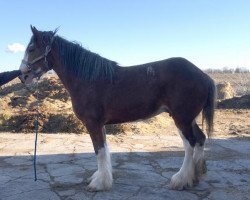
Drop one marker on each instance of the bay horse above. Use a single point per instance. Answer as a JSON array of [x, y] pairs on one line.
[[102, 92]]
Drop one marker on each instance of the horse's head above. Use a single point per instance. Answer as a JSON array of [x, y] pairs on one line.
[[36, 59]]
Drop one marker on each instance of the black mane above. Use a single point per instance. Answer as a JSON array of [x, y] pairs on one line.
[[83, 63]]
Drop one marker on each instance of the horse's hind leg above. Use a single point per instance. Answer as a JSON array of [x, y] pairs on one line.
[[199, 161], [185, 176], [102, 179]]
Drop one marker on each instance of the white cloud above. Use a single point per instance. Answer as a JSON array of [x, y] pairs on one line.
[[15, 48]]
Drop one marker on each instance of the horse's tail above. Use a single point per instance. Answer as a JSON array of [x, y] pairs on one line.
[[208, 109]]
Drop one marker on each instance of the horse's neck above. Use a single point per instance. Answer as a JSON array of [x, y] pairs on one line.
[[59, 68], [66, 78]]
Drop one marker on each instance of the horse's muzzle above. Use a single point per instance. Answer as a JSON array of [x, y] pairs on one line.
[[23, 78]]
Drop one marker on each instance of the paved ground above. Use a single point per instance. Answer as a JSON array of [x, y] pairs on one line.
[[142, 166]]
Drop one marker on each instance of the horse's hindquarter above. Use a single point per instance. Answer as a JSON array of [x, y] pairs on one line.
[[186, 88]]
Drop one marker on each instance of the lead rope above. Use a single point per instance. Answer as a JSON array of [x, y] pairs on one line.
[[36, 125]]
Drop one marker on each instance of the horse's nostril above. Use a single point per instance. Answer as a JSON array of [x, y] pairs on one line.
[[20, 77], [25, 77]]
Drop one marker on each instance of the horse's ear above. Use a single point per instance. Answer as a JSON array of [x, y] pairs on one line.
[[55, 31], [34, 30]]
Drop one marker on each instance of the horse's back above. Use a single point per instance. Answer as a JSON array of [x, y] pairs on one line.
[[140, 91], [166, 71]]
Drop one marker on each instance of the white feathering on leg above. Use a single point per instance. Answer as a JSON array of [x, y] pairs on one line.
[[198, 152], [102, 179], [185, 176]]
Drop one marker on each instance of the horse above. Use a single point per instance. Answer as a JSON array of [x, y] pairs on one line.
[[103, 92]]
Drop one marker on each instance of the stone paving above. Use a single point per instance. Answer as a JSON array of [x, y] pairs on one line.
[[142, 168]]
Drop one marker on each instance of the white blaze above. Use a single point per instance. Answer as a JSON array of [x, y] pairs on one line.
[[23, 66]]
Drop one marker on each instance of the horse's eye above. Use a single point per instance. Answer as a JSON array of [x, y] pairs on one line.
[[31, 48]]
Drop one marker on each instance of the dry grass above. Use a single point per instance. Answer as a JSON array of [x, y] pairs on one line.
[[239, 81]]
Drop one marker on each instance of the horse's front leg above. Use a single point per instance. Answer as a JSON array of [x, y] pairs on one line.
[[102, 179]]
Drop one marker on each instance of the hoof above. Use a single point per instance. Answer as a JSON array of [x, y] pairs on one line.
[[99, 182], [93, 189], [95, 186], [200, 170], [180, 182]]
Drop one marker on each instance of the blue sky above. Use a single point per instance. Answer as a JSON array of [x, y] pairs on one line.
[[209, 33]]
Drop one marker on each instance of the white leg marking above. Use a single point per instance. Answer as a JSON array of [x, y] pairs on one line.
[[199, 161], [198, 153], [184, 177], [102, 179]]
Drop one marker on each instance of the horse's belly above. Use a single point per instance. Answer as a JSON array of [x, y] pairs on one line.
[[131, 115]]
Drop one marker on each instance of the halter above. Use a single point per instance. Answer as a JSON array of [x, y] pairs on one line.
[[29, 65]]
